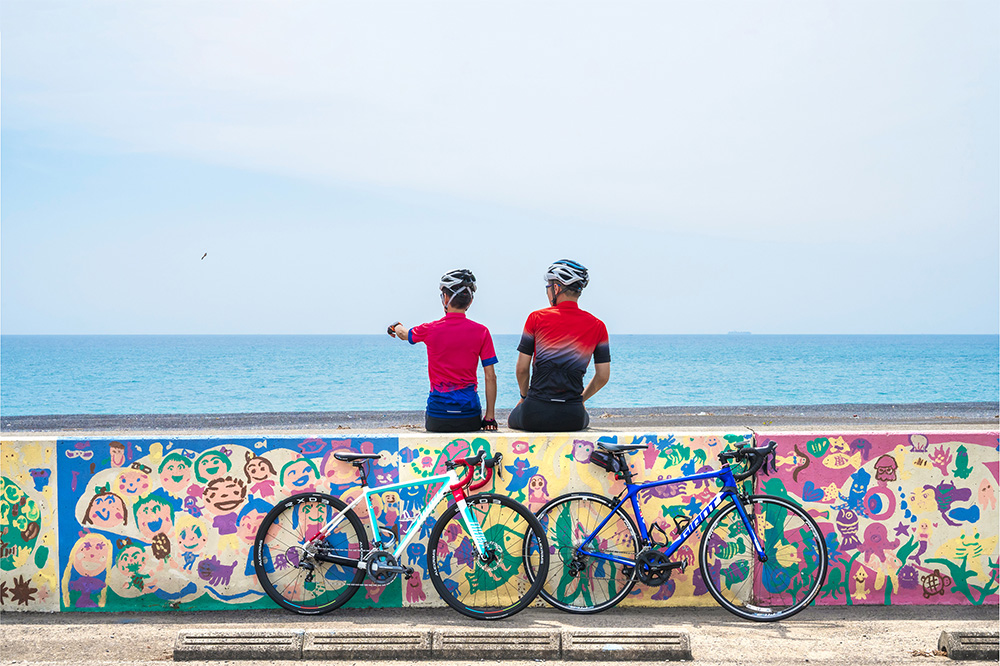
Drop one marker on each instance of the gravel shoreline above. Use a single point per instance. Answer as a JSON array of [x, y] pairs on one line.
[[866, 417]]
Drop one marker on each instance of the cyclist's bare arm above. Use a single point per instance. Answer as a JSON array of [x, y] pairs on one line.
[[602, 373]]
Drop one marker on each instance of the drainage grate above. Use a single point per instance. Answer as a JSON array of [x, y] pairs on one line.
[[970, 644], [360, 643], [496, 644], [202, 645], [603, 645]]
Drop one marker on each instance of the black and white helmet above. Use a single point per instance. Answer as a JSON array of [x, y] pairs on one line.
[[459, 280], [568, 273]]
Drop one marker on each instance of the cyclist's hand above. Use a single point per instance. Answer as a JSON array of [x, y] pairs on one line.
[[489, 424]]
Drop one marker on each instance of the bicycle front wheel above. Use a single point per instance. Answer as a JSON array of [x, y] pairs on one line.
[[791, 575], [292, 576], [495, 584], [585, 582]]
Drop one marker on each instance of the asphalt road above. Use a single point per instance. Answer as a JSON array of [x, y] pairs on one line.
[[859, 635]]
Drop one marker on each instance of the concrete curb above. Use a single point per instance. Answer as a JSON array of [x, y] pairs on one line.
[[445, 644], [980, 645]]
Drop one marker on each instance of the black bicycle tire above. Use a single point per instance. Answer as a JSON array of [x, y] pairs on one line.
[[763, 613], [434, 565], [260, 556], [551, 598]]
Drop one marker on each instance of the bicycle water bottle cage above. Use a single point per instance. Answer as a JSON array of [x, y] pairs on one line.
[[654, 528]]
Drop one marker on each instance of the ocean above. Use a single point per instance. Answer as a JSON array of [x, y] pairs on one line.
[[231, 374]]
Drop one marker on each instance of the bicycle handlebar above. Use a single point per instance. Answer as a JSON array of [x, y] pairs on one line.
[[757, 455], [486, 466]]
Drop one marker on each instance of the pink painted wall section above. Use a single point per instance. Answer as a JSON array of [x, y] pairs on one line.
[[156, 524]]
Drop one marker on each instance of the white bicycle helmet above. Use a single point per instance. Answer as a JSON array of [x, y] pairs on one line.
[[459, 280], [568, 273]]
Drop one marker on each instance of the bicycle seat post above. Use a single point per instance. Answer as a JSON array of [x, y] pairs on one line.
[[362, 472]]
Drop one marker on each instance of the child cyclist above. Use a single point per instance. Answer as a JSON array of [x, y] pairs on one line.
[[455, 344]]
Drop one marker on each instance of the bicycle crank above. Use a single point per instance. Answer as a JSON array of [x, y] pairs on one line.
[[382, 567], [653, 568]]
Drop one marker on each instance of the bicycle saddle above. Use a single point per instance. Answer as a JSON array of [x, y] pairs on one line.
[[621, 448], [348, 456]]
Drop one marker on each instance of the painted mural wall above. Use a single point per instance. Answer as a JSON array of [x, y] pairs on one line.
[[125, 525]]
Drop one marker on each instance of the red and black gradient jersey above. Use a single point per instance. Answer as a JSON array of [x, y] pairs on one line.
[[562, 339]]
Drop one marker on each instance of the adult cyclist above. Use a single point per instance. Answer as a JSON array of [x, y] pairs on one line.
[[554, 352], [455, 346]]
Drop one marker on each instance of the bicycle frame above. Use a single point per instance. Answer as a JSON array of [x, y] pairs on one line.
[[728, 491], [449, 482]]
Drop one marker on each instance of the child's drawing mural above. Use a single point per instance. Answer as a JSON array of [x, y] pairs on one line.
[[116, 525], [164, 524], [28, 553]]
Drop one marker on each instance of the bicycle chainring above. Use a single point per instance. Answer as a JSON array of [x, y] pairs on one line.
[[377, 561], [652, 567]]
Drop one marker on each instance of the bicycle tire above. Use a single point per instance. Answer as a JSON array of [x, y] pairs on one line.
[[567, 521], [766, 591], [284, 572], [502, 587]]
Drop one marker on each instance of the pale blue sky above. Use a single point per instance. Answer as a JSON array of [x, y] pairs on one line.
[[776, 167]]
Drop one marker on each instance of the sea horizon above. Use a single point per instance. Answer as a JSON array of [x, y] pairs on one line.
[[127, 374]]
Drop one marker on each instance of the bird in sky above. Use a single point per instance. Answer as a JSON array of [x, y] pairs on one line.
[[204, 255]]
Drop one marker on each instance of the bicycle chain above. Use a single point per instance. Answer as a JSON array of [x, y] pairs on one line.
[[368, 582]]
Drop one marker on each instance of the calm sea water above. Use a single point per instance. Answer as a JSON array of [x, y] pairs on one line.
[[239, 374]]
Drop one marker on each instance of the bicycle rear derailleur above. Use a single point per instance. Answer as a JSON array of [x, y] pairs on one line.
[[653, 568]]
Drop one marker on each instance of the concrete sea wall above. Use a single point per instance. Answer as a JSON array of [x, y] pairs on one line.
[[159, 523]]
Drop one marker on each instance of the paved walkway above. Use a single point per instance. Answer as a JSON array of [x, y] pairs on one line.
[[825, 635]]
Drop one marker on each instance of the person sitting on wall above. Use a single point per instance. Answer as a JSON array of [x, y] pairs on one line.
[[455, 344], [554, 353]]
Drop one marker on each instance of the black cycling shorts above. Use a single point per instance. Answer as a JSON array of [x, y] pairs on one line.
[[544, 416], [465, 424]]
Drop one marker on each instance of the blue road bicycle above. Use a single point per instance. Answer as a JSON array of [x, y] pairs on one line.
[[762, 557], [311, 553]]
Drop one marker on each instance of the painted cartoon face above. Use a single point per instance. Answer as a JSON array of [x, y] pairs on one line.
[[224, 495], [582, 450], [117, 454], [153, 518], [922, 500], [299, 474], [133, 482], [212, 466], [132, 559], [175, 477], [338, 473], [191, 539], [106, 511], [249, 523], [536, 484], [838, 445], [258, 470], [924, 530], [93, 555], [312, 513]]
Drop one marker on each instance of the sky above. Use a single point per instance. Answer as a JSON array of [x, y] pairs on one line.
[[769, 166]]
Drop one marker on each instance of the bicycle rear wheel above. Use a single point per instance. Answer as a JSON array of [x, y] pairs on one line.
[[294, 578], [498, 585], [777, 588], [579, 583]]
